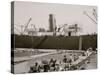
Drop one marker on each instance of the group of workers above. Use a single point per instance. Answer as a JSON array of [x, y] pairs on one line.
[[53, 65]]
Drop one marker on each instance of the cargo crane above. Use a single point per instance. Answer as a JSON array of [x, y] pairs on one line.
[[61, 27], [69, 29], [94, 14], [23, 27], [26, 26]]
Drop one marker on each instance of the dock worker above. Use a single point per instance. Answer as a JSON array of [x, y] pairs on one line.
[[65, 59], [34, 68]]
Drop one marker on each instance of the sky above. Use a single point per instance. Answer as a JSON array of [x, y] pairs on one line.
[[63, 13]]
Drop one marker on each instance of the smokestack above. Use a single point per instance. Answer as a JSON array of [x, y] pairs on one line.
[[52, 24]]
